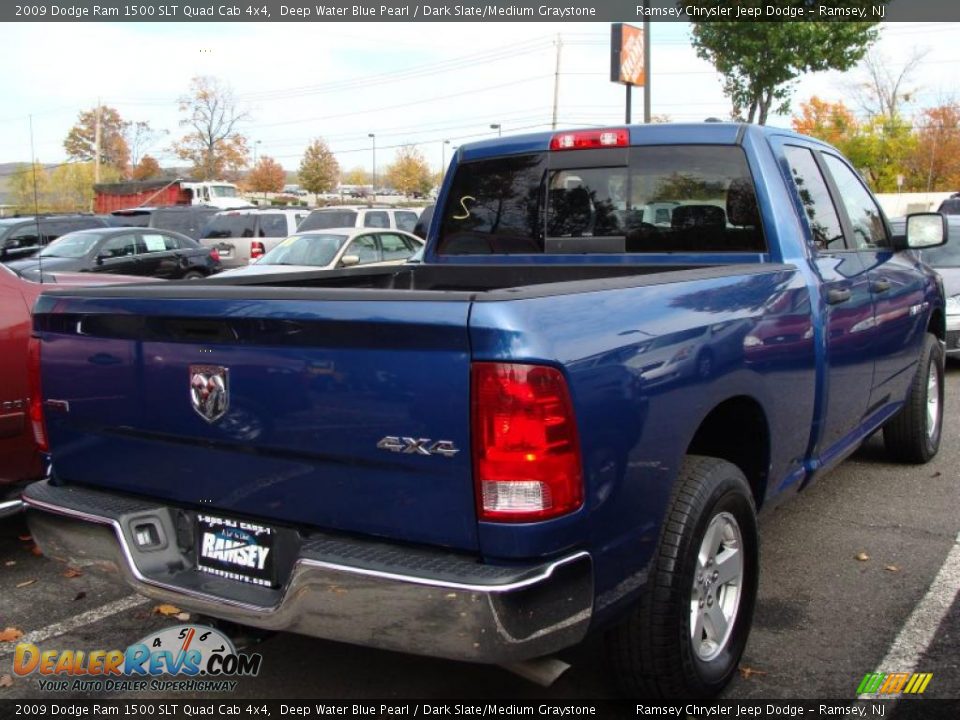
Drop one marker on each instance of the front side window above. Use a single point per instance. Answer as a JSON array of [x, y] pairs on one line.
[[24, 237], [394, 247], [821, 214], [118, 246], [365, 248], [866, 218]]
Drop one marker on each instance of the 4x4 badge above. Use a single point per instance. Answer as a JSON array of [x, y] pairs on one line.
[[209, 391], [418, 446]]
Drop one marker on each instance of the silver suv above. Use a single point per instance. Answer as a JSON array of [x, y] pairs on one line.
[[345, 216], [244, 235]]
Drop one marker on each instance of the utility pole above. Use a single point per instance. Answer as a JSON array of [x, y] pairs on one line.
[[96, 144], [556, 83]]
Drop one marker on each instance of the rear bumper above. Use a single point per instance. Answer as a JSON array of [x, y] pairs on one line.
[[369, 593]]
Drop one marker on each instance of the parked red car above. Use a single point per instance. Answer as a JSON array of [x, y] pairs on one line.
[[20, 454]]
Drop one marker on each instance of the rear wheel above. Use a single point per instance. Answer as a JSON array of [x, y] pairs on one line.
[[194, 275], [913, 434], [687, 634]]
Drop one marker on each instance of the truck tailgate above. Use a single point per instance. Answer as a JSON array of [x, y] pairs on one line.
[[312, 389]]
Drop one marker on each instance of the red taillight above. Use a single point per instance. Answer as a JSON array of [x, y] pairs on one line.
[[37, 423], [587, 139], [214, 254], [526, 454], [256, 250]]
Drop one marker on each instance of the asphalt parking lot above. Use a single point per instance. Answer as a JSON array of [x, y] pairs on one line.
[[844, 569]]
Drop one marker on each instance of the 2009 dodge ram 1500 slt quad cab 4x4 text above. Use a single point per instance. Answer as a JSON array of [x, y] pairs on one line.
[[620, 345]]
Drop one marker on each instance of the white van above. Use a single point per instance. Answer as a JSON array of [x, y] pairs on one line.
[[244, 235]]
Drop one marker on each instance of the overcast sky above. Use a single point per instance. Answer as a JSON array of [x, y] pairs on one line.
[[405, 82]]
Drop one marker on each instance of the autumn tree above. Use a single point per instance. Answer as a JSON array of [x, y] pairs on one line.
[[831, 122], [213, 142], [356, 176], [879, 150], [267, 176], [319, 169], [934, 164], [147, 169], [80, 143], [409, 172], [760, 61], [140, 138]]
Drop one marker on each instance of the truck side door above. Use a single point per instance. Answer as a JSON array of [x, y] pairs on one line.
[[846, 303], [897, 285]]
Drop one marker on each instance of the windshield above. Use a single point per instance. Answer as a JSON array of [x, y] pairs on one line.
[[329, 219], [74, 245], [319, 250], [223, 191]]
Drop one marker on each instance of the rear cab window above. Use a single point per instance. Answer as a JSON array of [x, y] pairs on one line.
[[650, 199]]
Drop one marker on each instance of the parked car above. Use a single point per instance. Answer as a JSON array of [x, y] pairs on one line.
[[464, 447], [360, 216], [946, 261], [126, 251], [21, 439], [187, 220], [244, 235], [335, 248], [21, 237], [950, 206]]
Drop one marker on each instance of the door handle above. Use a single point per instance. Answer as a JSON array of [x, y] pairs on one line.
[[836, 296], [881, 285]]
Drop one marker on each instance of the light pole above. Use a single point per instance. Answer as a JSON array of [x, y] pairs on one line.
[[256, 146], [498, 128], [443, 157], [373, 137]]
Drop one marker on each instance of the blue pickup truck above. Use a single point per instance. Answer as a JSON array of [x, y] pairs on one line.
[[619, 347]]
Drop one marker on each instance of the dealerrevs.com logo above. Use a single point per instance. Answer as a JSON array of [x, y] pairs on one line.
[[199, 658]]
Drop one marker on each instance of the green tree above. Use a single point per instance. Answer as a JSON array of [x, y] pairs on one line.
[[319, 170], [213, 142], [28, 195], [880, 150], [409, 172], [71, 186], [760, 61], [80, 142]]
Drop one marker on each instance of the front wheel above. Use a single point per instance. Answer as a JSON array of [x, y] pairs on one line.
[[688, 632], [193, 275], [913, 434]]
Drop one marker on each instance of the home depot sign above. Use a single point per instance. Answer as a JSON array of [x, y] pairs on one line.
[[626, 55]]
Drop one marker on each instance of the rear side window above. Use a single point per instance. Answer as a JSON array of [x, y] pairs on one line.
[[273, 225], [328, 219], [155, 242], [685, 198], [231, 226]]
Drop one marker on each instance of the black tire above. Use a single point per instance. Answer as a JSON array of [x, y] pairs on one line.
[[193, 275], [652, 652], [907, 434]]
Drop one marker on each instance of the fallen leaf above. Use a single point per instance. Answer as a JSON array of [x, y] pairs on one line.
[[166, 610], [25, 538], [183, 617], [892, 568], [10, 563], [36, 551], [11, 634], [80, 595], [25, 583], [72, 573], [748, 672], [6, 681], [862, 556]]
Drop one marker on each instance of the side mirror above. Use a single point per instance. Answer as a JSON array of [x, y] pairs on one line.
[[349, 260], [925, 230], [100, 259]]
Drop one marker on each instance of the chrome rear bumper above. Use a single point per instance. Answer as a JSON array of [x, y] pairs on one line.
[[426, 602]]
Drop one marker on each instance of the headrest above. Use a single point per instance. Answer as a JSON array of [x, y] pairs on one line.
[[742, 206], [687, 216]]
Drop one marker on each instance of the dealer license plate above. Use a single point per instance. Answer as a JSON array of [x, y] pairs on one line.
[[236, 550]]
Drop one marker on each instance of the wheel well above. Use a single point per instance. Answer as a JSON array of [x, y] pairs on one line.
[[936, 325], [736, 430]]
